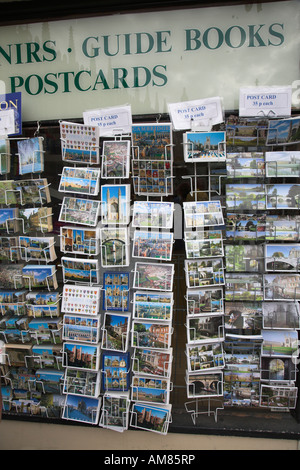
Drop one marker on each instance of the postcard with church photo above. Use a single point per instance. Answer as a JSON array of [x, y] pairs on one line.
[[204, 146], [281, 343], [79, 240], [115, 159], [281, 315], [152, 245], [150, 390], [150, 418], [152, 141], [115, 368], [115, 204], [81, 356], [116, 291], [80, 180], [115, 331], [80, 270]]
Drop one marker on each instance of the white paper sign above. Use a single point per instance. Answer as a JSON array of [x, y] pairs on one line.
[[265, 101], [111, 121], [7, 122], [197, 114]]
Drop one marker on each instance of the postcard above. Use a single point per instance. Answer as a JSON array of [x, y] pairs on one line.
[[203, 213], [9, 220], [81, 382], [241, 386], [283, 131], [152, 177], [153, 214], [37, 276], [79, 143], [9, 249], [31, 155], [83, 409], [115, 204], [245, 165], [49, 381], [152, 245], [36, 218], [150, 390], [282, 196], [18, 354], [248, 134], [79, 240], [5, 156], [115, 371], [283, 228], [42, 298], [204, 272], [48, 356], [80, 270], [286, 164], [206, 244], [278, 397], [153, 276], [116, 291], [151, 335], [81, 328], [80, 299], [282, 287], [80, 180], [152, 141], [281, 315], [33, 191], [115, 413], [38, 311], [208, 300], [150, 418], [282, 257], [204, 146], [242, 286], [244, 258], [150, 306], [45, 330], [279, 343], [11, 276], [37, 248], [81, 355], [115, 331], [80, 211], [115, 159], [245, 226], [205, 384], [245, 196], [151, 362], [276, 369], [114, 245], [205, 328], [205, 356], [243, 316]]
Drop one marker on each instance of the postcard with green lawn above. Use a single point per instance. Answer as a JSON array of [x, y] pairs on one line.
[[245, 165], [153, 306], [153, 276], [285, 164], [153, 214], [80, 270], [115, 331], [40, 276]]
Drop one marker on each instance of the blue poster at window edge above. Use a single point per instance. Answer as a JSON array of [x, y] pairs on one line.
[[13, 101]]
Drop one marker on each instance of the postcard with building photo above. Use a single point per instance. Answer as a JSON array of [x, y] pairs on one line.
[[283, 228], [153, 276], [281, 286], [79, 143], [31, 155], [153, 214], [8, 193], [204, 272], [115, 331], [81, 356], [116, 291], [244, 132], [153, 362], [34, 191], [81, 382], [115, 204], [80, 211], [11, 276], [115, 413], [9, 248], [115, 368], [279, 343], [206, 244], [283, 164], [243, 286], [81, 328], [281, 315], [82, 409], [114, 246], [150, 418], [245, 316], [36, 218], [205, 356], [282, 257], [115, 159], [204, 384], [151, 335], [274, 396], [150, 306], [79, 240], [80, 270], [283, 196], [152, 141], [283, 131], [277, 369], [45, 330], [9, 222], [37, 248], [245, 165], [244, 258], [204, 146], [245, 196], [208, 300], [245, 226], [40, 276], [43, 304], [241, 386], [205, 328], [152, 245], [150, 390], [203, 213], [79, 180], [5, 156]]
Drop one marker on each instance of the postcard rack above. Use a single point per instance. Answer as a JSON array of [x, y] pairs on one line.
[[81, 382], [115, 412]]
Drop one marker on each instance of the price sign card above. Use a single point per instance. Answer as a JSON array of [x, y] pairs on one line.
[[265, 101], [111, 121], [197, 114]]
